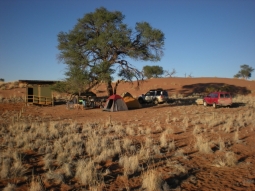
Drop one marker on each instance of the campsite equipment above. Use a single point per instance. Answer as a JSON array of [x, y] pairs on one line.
[[130, 101], [115, 103]]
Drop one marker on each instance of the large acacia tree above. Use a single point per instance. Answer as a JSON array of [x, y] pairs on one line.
[[100, 41]]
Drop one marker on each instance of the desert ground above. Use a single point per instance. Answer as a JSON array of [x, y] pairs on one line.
[[172, 146]]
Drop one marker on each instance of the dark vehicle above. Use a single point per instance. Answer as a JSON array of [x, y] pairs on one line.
[[218, 99], [155, 96]]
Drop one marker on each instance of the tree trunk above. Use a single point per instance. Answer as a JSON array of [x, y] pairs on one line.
[[109, 88], [115, 88]]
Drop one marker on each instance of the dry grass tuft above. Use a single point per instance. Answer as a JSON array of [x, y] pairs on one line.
[[152, 181], [130, 164], [221, 144], [35, 185], [203, 145], [86, 173], [10, 187], [229, 159]]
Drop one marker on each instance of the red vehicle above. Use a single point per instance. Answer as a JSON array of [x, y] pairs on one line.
[[218, 99]]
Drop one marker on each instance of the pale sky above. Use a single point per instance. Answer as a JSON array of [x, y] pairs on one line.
[[204, 38]]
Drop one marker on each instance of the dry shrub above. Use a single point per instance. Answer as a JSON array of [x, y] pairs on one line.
[[93, 145], [10, 187], [117, 147], [156, 149], [169, 131], [152, 181], [130, 164], [171, 145], [148, 131], [221, 144], [197, 130], [203, 145], [130, 131], [227, 126], [176, 167], [236, 137], [144, 154], [18, 169], [105, 155], [6, 168], [86, 173], [159, 128], [57, 177], [48, 161], [105, 142], [35, 185], [229, 159], [63, 158], [67, 169], [148, 142], [126, 144], [163, 140]]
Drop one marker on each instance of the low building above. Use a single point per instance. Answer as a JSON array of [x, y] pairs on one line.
[[39, 92]]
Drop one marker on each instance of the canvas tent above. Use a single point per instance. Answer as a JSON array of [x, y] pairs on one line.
[[115, 103], [126, 94], [131, 102]]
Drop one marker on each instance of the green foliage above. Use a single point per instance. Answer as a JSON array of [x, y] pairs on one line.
[[126, 74], [76, 82], [61, 86], [152, 71], [1, 80], [100, 40], [245, 72]]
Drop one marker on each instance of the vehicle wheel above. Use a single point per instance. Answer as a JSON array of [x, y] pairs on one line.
[[205, 104], [156, 102], [214, 105]]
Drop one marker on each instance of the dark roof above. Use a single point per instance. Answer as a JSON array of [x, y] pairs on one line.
[[38, 81]]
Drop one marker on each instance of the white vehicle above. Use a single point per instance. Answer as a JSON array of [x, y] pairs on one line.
[[155, 96]]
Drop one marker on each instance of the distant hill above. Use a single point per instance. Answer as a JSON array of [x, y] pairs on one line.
[[175, 86], [183, 86]]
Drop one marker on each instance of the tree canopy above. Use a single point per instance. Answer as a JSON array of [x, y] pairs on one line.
[[152, 71], [244, 72], [100, 43]]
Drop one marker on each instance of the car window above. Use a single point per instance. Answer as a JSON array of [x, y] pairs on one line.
[[222, 96], [148, 94], [227, 95], [158, 93]]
